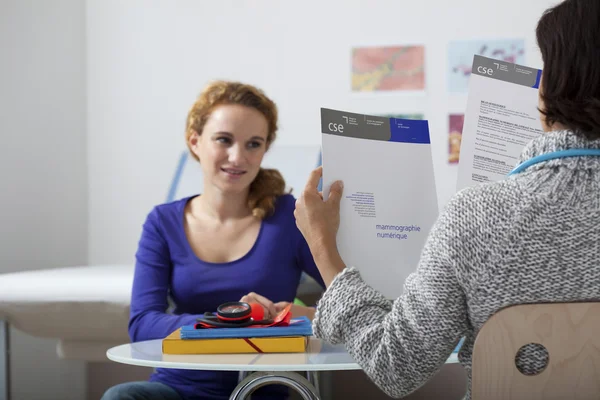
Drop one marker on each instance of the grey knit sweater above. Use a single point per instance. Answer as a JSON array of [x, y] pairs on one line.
[[533, 237]]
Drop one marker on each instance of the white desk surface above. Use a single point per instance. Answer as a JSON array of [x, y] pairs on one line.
[[320, 356]]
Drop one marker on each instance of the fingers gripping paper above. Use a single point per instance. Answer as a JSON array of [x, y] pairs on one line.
[[389, 201]]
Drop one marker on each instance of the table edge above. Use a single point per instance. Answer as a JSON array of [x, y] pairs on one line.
[[453, 359], [234, 367]]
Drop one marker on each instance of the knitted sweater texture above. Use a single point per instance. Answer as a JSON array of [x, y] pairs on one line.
[[532, 237]]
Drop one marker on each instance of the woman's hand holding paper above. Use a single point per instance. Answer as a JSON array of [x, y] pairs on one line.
[[318, 220]]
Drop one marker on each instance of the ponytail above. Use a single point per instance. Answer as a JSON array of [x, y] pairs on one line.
[[264, 190]]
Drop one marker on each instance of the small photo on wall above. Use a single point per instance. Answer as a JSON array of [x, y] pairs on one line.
[[404, 116], [399, 68], [461, 53], [455, 127]]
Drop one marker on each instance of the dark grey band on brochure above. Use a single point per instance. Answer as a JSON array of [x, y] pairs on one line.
[[505, 71], [353, 125]]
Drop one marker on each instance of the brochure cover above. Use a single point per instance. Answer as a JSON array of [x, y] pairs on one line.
[[501, 118], [389, 202]]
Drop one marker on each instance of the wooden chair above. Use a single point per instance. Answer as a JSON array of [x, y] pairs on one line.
[[570, 332]]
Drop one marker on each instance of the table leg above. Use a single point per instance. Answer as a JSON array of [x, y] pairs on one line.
[[4, 360], [259, 379], [313, 378]]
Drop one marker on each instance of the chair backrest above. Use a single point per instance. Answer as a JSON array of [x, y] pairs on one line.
[[569, 332]]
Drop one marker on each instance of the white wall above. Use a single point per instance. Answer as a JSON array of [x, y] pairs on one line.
[[148, 61], [43, 172]]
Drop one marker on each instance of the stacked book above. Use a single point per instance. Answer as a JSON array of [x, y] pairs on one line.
[[290, 338]]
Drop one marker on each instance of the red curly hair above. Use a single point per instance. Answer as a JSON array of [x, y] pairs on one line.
[[268, 184]]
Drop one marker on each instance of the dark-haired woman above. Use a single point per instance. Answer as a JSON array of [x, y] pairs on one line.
[[533, 237]]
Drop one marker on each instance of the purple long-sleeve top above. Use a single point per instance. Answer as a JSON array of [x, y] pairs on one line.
[[166, 267]]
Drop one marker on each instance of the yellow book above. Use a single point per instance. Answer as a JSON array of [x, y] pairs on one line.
[[173, 344]]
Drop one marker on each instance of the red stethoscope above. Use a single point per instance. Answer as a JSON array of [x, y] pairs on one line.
[[239, 314]]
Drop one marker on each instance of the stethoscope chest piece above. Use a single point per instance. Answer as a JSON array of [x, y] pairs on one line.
[[236, 314]]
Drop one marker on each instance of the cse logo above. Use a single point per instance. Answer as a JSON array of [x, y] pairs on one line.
[[485, 70], [333, 127]]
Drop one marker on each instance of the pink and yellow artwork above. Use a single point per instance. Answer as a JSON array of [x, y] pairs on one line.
[[388, 68], [455, 128]]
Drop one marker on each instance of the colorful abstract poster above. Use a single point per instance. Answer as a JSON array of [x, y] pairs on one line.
[[460, 58], [455, 127], [404, 116], [388, 68]]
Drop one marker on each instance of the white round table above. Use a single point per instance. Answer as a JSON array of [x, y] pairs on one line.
[[261, 369]]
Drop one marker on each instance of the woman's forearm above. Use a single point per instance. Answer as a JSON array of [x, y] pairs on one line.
[[329, 262]]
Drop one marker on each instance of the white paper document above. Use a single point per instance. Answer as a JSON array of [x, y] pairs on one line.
[[500, 119], [389, 202]]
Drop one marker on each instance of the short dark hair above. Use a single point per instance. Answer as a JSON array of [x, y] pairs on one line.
[[568, 36]]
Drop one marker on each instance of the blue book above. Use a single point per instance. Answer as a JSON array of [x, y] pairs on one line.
[[300, 326]]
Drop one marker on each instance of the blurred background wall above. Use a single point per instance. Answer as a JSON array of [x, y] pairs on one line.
[[94, 94]]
